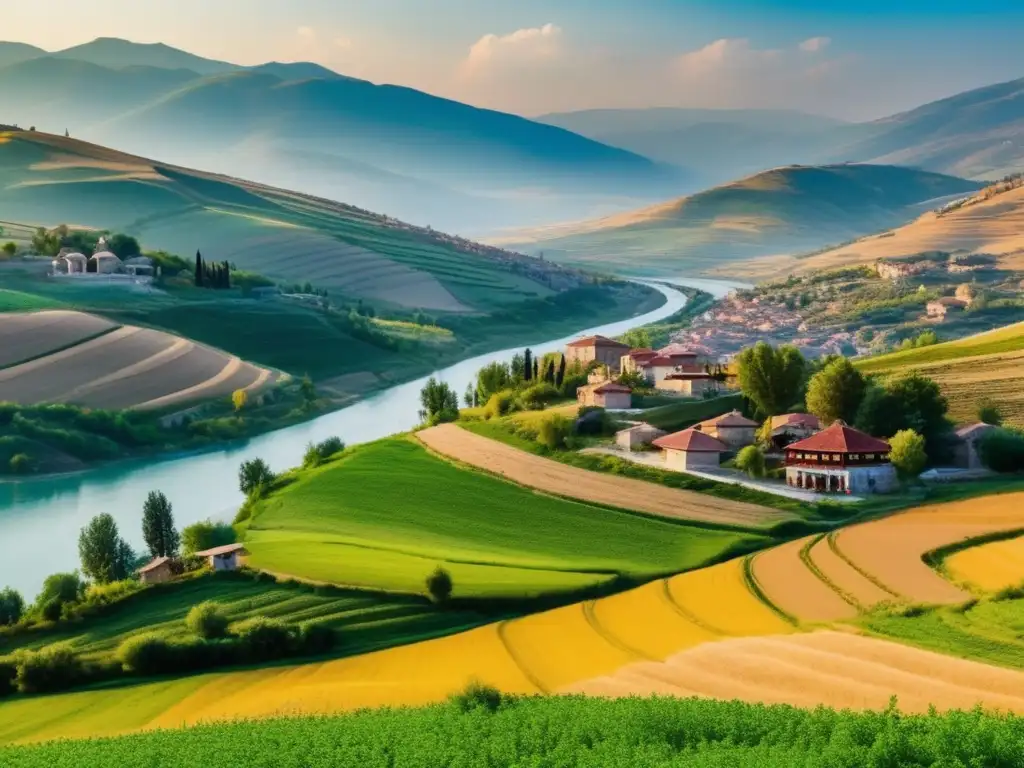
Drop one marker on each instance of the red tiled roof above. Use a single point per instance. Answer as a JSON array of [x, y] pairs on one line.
[[153, 564], [731, 419], [227, 549], [597, 341], [677, 350], [691, 440], [796, 420], [611, 387], [660, 361], [840, 438]]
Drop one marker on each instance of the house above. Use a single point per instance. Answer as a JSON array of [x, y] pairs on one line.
[[156, 571], [790, 427], [632, 360], [225, 558], [691, 449], [939, 308], [637, 435], [71, 262], [965, 449], [139, 266], [682, 357], [106, 262], [656, 368], [596, 348], [733, 428], [840, 459], [614, 397], [688, 384]]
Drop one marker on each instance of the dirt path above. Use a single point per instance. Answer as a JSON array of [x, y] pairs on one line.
[[563, 480]]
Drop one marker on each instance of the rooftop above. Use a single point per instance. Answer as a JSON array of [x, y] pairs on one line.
[[796, 420], [731, 419], [840, 438], [691, 440], [609, 387], [227, 549], [153, 564], [973, 430], [597, 341]]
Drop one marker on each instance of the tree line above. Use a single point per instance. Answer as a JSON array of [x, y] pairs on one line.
[[216, 275]]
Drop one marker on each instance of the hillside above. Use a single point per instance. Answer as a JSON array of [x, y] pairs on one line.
[[277, 122], [785, 209], [991, 223]]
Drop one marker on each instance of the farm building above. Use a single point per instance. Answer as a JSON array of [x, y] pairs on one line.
[[156, 571], [225, 558], [965, 449], [682, 357], [632, 360], [840, 459], [733, 428], [947, 305], [689, 384], [690, 449], [600, 348], [106, 262], [637, 435], [614, 397], [790, 427]]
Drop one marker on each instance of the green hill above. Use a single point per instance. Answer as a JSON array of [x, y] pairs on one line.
[[795, 208]]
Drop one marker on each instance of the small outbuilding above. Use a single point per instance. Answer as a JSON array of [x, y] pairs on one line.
[[691, 449], [156, 571], [637, 435], [966, 454], [225, 558], [790, 427], [609, 395], [688, 384], [106, 262], [733, 428]]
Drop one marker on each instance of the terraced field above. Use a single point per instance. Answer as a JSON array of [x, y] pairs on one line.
[[552, 477], [989, 567], [988, 364], [73, 357]]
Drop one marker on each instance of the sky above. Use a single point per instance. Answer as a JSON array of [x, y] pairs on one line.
[[850, 60]]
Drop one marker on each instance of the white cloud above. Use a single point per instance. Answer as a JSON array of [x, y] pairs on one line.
[[524, 46], [815, 44], [306, 33]]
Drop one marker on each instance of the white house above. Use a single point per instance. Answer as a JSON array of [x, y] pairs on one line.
[[225, 558], [637, 435], [106, 262], [691, 449]]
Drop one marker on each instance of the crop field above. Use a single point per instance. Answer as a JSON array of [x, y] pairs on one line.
[[664, 732], [784, 576], [989, 364], [553, 477], [351, 522], [78, 358], [989, 567], [365, 620], [19, 301]]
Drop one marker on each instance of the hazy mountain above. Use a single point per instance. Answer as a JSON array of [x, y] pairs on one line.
[[13, 53], [784, 210], [116, 53], [297, 70]]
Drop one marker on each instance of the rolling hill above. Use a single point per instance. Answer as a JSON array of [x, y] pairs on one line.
[[783, 210], [277, 121]]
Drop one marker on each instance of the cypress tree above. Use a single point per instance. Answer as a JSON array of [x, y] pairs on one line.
[[227, 275], [560, 377], [536, 369], [199, 270], [549, 374], [527, 365]]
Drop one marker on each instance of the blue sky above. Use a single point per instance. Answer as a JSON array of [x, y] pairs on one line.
[[856, 60]]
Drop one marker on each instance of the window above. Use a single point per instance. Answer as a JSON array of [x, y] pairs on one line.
[[836, 457], [854, 456], [869, 457]]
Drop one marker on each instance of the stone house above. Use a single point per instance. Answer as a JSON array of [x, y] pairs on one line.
[[614, 397], [965, 448], [596, 348], [691, 449], [156, 571], [733, 428], [688, 384], [637, 435]]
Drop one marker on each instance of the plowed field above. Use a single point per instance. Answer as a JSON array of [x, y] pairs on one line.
[[27, 336]]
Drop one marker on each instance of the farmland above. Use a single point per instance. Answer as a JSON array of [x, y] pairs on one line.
[[989, 567], [989, 365], [352, 522], [70, 357], [553, 477]]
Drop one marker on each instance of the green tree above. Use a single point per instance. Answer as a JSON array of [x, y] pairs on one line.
[[198, 277], [10, 249], [637, 338], [65, 587], [988, 412], [517, 368], [910, 402], [158, 526], [836, 392], [751, 460], [554, 431], [908, 453], [527, 365], [207, 621], [12, 607], [560, 376], [1002, 450], [124, 246], [493, 377], [772, 379], [206, 535], [104, 554], [254, 475], [438, 402], [439, 585]]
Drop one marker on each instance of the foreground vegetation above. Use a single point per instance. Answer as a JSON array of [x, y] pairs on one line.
[[480, 727]]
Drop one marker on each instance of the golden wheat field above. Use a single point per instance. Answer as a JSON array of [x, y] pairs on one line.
[[989, 567], [790, 584]]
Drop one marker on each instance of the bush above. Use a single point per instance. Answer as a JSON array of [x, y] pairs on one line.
[[53, 669], [593, 421], [253, 476], [536, 397], [476, 695], [315, 639], [145, 655], [206, 535], [501, 404], [20, 464], [908, 453], [1002, 450], [553, 432], [52, 609], [207, 621], [12, 607], [439, 585], [317, 453], [751, 460], [264, 639], [989, 413]]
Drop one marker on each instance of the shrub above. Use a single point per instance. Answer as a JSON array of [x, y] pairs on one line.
[[206, 535], [553, 431], [316, 639], [12, 607], [207, 621], [475, 696], [145, 655], [908, 453], [989, 413], [51, 669], [439, 585], [536, 397], [254, 475], [52, 609], [594, 421], [1002, 450], [20, 464], [317, 453], [751, 460], [264, 639], [500, 404]]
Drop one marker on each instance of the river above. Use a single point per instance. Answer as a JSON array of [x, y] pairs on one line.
[[40, 518]]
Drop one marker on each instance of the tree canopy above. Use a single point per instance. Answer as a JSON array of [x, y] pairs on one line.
[[158, 526], [104, 554], [909, 402], [908, 453], [771, 378], [836, 391], [438, 402]]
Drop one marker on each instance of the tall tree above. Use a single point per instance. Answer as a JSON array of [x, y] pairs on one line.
[[836, 391], [104, 554], [772, 379], [492, 378], [536, 370], [549, 373], [517, 368], [158, 526], [438, 402], [527, 365], [560, 377], [227, 275], [911, 402], [199, 270]]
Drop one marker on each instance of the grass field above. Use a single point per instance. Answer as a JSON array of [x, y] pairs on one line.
[[358, 521], [664, 732], [987, 366], [365, 621]]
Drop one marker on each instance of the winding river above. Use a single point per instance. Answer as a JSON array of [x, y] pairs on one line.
[[40, 518]]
